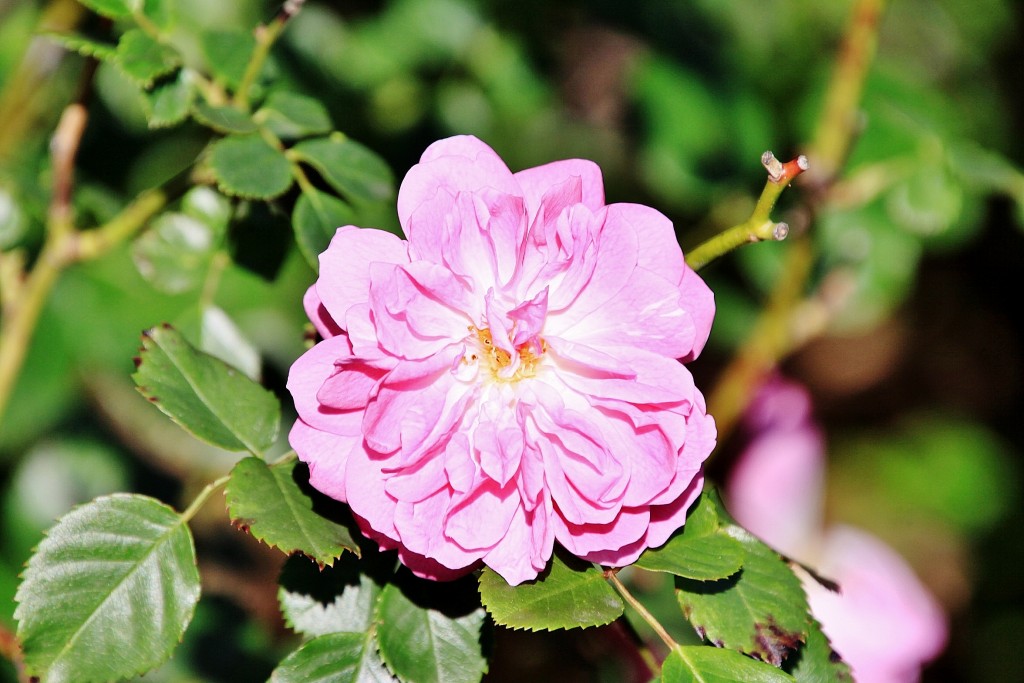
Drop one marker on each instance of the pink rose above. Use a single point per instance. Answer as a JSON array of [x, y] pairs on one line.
[[883, 622], [509, 376]]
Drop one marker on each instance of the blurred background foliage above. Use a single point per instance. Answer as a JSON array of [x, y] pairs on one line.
[[916, 372]]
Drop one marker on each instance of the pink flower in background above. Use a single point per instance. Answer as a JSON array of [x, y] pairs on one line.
[[510, 376], [883, 622]]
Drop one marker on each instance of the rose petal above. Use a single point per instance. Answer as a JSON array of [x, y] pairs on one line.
[[345, 266]]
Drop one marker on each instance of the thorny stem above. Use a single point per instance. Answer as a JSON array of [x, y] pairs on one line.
[[613, 577], [266, 36], [839, 118], [759, 226], [774, 335]]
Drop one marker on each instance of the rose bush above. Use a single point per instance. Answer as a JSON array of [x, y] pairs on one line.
[[882, 621], [511, 375]]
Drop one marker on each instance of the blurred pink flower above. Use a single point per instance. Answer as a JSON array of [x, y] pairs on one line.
[[509, 376], [883, 622]]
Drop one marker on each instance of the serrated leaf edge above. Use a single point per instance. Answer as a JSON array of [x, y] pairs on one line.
[[244, 525], [145, 391], [46, 535]]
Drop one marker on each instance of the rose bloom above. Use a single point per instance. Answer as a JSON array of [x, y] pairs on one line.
[[509, 376], [883, 622]]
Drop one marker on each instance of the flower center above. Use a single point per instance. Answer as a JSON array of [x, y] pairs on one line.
[[505, 366]]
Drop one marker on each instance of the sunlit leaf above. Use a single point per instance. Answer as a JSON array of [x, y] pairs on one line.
[[215, 333], [701, 550], [707, 664], [334, 658], [143, 59], [569, 594], [203, 394], [348, 166], [247, 166], [316, 217], [269, 502], [174, 254], [207, 205], [761, 610], [290, 115], [109, 592], [426, 646]]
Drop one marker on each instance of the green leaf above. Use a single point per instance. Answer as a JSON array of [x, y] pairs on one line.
[[224, 119], [426, 646], [701, 550], [227, 54], [317, 600], [334, 658], [217, 334], [817, 662], [761, 610], [143, 59], [247, 166], [268, 502], [207, 205], [109, 592], [290, 115], [703, 558], [84, 46], [316, 217], [570, 593], [113, 9], [174, 253], [168, 102], [705, 664], [348, 166], [205, 395]]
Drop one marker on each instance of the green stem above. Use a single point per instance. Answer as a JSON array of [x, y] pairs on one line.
[[655, 625], [759, 227], [203, 496], [290, 455], [773, 336], [838, 122], [20, 320], [61, 249], [266, 36], [94, 243]]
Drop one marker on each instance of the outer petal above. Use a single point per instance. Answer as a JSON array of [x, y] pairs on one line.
[[305, 378], [538, 180], [883, 622], [325, 325], [659, 249], [776, 491], [776, 488], [326, 454], [698, 301], [451, 166], [345, 266], [526, 547], [628, 527]]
